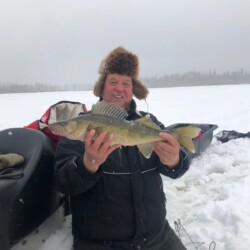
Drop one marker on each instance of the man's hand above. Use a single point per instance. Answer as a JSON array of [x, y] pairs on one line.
[[167, 150], [97, 150]]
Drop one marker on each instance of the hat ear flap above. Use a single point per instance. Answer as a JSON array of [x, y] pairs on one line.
[[140, 90], [99, 85]]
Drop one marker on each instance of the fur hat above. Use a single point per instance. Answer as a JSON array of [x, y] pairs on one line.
[[123, 62]]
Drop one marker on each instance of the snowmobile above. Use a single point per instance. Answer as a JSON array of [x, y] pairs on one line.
[[30, 207]]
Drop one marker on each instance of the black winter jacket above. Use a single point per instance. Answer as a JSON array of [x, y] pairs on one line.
[[124, 199]]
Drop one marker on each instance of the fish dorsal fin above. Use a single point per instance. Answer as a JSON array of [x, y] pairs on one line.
[[109, 109], [146, 121]]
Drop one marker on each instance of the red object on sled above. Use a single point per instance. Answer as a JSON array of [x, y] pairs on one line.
[[58, 112]]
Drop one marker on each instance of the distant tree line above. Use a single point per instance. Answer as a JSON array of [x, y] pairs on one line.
[[199, 79], [174, 80], [39, 87]]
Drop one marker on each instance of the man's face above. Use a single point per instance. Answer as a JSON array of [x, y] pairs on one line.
[[118, 89]]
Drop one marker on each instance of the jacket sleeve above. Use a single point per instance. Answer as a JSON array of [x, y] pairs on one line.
[[180, 169], [184, 163], [71, 176]]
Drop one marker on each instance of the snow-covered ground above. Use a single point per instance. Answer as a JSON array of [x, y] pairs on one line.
[[212, 199]]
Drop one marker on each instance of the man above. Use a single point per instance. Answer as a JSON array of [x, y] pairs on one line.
[[117, 197]]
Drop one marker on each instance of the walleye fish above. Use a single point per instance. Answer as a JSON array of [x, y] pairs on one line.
[[109, 117], [10, 160]]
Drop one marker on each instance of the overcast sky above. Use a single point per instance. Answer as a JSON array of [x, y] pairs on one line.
[[64, 41]]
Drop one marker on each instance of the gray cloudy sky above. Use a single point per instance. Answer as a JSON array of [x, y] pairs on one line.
[[64, 41]]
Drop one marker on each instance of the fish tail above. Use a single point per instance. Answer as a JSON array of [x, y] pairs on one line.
[[184, 135]]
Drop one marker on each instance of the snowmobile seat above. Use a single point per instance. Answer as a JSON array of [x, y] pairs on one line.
[[27, 191]]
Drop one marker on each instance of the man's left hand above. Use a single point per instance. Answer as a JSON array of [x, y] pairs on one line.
[[167, 150]]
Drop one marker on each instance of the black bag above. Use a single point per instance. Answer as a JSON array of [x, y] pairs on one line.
[[226, 135]]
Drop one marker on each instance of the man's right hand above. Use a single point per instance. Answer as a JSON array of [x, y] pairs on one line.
[[97, 150]]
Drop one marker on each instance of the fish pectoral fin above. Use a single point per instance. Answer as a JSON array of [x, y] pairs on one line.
[[146, 121], [145, 149]]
